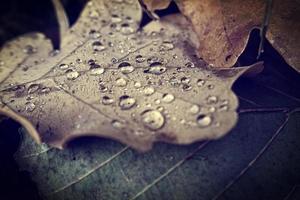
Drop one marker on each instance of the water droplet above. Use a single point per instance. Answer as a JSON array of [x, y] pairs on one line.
[[166, 46], [137, 85], [29, 106], [174, 81], [63, 66], [97, 71], [194, 109], [212, 99], [126, 29], [156, 68], [204, 120], [140, 59], [29, 49], [78, 60], [153, 119], [210, 86], [33, 88], [189, 64], [160, 108], [45, 90], [168, 98], [102, 87], [200, 82], [148, 90], [72, 75], [186, 87], [152, 59], [117, 124], [185, 80], [126, 67], [126, 102], [94, 14], [121, 82], [223, 107], [107, 100], [94, 34], [115, 18], [98, 46]]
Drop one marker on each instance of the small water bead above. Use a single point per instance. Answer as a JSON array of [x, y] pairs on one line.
[[223, 107], [117, 124], [174, 81], [29, 106], [121, 82], [115, 18], [126, 29], [157, 101], [156, 68], [166, 46], [140, 59], [126, 102], [78, 61], [210, 86], [153, 119], [189, 65], [98, 46], [185, 80], [29, 49], [63, 66], [148, 90], [106, 100], [126, 67], [94, 34], [200, 82], [212, 99], [97, 71], [211, 109], [204, 120], [186, 87], [152, 59], [72, 75], [102, 88], [94, 14], [194, 109], [168, 98], [160, 108], [33, 88], [137, 85]]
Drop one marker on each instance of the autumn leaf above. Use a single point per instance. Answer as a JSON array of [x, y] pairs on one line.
[[111, 80], [223, 27]]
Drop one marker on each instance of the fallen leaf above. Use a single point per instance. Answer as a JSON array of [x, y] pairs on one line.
[[223, 27], [110, 80]]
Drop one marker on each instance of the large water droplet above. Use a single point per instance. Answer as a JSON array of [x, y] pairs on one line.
[[126, 102], [29, 106], [126, 67], [121, 82], [204, 120], [148, 90], [153, 119], [156, 68], [168, 98], [107, 100]]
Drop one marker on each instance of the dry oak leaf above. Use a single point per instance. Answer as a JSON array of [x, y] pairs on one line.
[[115, 81], [223, 27]]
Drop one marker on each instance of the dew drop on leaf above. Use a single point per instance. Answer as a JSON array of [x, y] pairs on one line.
[[126, 67], [212, 99], [126, 102], [204, 120], [168, 98], [72, 75], [148, 90], [97, 71], [155, 68], [29, 106], [194, 109], [153, 119], [140, 59], [107, 100], [121, 82]]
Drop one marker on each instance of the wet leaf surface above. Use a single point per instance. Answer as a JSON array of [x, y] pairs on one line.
[[111, 80]]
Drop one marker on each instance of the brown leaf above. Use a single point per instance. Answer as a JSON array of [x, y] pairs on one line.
[[110, 80], [223, 27]]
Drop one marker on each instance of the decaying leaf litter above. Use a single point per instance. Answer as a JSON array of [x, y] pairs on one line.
[[114, 81]]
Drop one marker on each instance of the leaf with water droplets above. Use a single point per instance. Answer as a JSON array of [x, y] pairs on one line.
[[112, 80]]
